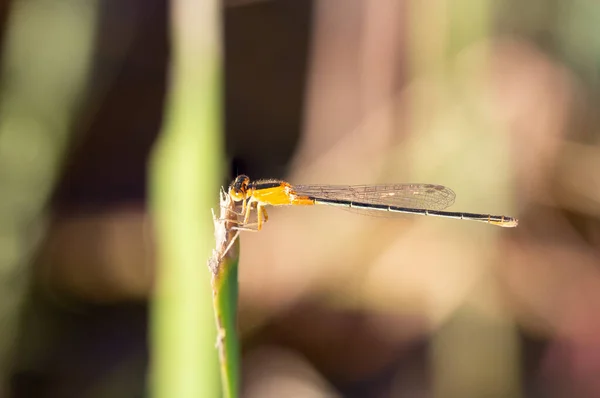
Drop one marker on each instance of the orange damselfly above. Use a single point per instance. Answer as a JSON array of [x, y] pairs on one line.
[[419, 199]]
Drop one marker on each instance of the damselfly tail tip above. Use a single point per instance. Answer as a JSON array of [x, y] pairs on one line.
[[507, 222]]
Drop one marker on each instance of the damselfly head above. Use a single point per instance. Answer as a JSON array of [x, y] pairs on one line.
[[239, 187]]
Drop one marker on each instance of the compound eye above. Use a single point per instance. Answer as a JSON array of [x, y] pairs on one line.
[[236, 194], [238, 188]]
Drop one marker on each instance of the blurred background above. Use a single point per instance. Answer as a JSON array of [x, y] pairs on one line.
[[496, 99]]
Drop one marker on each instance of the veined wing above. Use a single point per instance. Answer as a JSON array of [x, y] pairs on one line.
[[416, 196]]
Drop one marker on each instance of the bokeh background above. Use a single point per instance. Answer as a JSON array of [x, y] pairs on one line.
[[496, 99]]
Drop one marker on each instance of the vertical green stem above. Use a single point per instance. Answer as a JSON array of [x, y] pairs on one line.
[[224, 265], [185, 175]]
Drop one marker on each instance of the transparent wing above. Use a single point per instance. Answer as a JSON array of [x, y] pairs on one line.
[[416, 196]]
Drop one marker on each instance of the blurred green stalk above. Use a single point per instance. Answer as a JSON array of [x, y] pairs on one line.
[[185, 175]]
